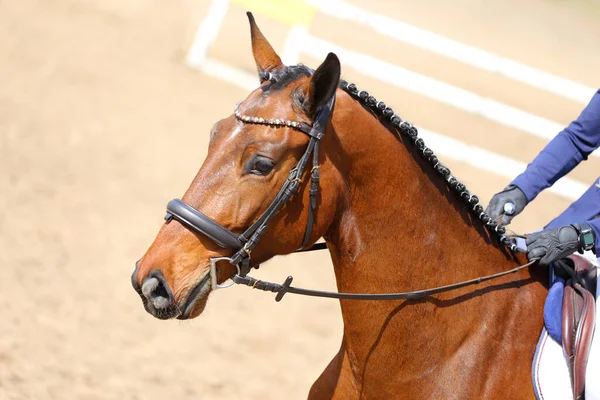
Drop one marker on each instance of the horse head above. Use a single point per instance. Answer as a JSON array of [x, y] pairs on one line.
[[251, 159]]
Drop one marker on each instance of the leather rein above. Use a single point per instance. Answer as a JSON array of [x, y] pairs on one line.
[[244, 243]]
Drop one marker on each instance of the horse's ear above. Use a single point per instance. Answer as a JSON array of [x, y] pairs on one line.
[[265, 57], [323, 84]]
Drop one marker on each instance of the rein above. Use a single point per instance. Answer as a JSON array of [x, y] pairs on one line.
[[284, 288], [244, 243]]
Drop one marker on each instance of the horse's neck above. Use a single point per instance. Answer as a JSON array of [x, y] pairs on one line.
[[401, 229], [401, 224]]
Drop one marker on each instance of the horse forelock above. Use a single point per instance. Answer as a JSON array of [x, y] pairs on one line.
[[280, 79]]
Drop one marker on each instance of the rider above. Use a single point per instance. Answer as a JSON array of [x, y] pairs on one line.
[[578, 227]]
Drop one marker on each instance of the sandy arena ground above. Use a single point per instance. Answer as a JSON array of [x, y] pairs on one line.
[[95, 101]]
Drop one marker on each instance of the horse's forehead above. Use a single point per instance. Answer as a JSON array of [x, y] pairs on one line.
[[267, 102], [235, 134], [274, 105], [280, 104]]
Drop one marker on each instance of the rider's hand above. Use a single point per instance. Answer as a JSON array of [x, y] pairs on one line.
[[512, 194], [552, 244]]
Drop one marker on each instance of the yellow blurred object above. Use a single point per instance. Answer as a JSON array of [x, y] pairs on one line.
[[290, 12]]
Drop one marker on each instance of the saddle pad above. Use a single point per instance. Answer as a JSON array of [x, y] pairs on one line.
[[550, 372], [553, 310]]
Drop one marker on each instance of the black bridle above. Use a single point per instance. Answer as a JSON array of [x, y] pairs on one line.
[[244, 243]]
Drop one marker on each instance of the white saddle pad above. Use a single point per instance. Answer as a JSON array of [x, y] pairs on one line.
[[550, 371]]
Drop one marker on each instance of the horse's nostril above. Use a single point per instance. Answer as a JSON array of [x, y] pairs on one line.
[[156, 293], [149, 286]]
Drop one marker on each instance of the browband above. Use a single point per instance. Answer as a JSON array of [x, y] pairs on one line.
[[301, 126]]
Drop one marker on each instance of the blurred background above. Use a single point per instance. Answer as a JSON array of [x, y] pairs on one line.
[[105, 111]]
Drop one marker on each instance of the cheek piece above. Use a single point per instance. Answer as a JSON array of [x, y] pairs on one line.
[[243, 244]]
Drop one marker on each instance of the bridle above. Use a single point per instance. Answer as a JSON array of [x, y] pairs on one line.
[[244, 243]]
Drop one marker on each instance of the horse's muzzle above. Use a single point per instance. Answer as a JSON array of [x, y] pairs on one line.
[[156, 295]]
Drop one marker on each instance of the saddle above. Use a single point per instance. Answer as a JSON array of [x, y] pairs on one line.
[[578, 316]]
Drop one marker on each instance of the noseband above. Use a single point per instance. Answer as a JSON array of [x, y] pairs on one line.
[[244, 244]]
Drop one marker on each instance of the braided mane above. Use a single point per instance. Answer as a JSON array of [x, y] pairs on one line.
[[407, 129]]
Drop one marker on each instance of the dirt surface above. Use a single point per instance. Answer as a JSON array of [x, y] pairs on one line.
[[101, 123]]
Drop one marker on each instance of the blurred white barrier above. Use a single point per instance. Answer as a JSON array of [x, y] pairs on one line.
[[207, 33], [447, 47], [434, 89]]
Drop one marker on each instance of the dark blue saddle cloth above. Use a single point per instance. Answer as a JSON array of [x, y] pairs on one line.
[[553, 309]]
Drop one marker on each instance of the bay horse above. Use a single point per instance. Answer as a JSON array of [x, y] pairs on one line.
[[393, 218]]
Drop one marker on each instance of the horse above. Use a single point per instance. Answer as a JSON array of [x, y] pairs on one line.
[[393, 218]]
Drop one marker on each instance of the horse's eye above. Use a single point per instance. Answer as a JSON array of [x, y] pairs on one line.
[[260, 166]]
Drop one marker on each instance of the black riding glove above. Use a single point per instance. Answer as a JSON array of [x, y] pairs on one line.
[[552, 244], [512, 194]]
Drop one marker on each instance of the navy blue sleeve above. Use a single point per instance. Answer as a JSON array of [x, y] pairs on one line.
[[564, 152]]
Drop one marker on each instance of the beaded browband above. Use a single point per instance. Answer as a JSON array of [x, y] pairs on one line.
[[276, 122]]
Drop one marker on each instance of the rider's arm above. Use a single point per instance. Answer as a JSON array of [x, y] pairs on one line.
[[564, 152]]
